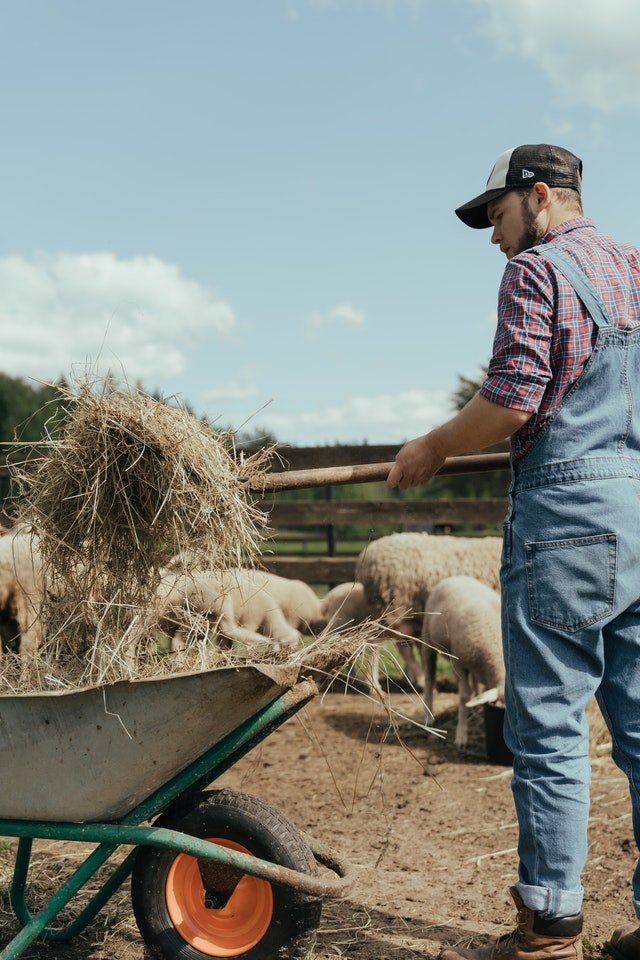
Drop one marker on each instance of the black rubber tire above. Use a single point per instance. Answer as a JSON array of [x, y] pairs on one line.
[[262, 830]]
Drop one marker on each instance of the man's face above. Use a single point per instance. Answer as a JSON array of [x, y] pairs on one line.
[[514, 224]]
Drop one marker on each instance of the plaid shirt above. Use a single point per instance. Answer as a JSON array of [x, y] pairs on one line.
[[545, 334]]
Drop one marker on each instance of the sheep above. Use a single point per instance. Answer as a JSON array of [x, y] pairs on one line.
[[248, 606], [301, 606], [346, 605], [398, 572], [462, 619], [21, 591]]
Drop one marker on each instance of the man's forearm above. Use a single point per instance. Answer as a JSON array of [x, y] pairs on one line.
[[478, 425]]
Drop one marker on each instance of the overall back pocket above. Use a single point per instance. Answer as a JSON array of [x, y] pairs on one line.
[[571, 583]]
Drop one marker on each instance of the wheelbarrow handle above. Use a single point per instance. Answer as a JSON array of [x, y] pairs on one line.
[[369, 472]]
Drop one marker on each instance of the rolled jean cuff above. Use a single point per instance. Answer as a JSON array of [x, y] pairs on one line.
[[636, 907], [550, 903]]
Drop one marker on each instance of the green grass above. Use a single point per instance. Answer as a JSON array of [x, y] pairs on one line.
[[391, 664], [304, 548]]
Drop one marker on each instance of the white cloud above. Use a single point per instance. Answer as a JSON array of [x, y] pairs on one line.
[[343, 313], [135, 316], [388, 418], [243, 388], [587, 48], [231, 391]]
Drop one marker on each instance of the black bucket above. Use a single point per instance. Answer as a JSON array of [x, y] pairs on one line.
[[497, 750]]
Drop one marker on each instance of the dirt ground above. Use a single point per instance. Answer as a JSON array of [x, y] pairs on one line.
[[430, 829]]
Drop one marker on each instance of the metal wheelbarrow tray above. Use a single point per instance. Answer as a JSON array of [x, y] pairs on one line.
[[219, 873]]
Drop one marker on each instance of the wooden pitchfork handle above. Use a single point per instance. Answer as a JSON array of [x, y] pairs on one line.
[[369, 472]]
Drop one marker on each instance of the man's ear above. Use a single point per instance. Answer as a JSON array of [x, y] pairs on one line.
[[541, 194]]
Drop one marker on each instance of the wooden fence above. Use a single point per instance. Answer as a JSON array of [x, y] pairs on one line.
[[291, 518], [332, 567]]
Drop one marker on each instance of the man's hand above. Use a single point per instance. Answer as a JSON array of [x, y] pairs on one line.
[[416, 463]]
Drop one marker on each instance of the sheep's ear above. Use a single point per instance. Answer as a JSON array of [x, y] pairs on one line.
[[487, 696]]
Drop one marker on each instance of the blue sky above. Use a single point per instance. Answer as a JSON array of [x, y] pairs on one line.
[[248, 204]]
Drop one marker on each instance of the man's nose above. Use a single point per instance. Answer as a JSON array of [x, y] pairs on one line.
[[495, 236]]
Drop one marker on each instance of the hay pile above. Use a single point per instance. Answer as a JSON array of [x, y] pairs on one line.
[[132, 482]]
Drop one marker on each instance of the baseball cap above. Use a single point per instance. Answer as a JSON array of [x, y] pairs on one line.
[[522, 167]]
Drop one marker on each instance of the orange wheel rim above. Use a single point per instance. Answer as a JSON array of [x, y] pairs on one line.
[[228, 932]]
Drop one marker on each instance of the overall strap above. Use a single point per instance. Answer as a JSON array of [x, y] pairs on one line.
[[582, 286]]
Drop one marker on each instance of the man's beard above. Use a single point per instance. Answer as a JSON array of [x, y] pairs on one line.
[[530, 232]]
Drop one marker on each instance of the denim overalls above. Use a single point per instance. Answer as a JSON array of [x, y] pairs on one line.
[[571, 608]]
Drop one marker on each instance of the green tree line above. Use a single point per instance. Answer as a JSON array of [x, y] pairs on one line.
[[30, 412]]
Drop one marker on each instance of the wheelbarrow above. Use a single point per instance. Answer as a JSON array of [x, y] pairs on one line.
[[214, 873]]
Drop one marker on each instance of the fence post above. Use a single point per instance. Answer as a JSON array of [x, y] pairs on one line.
[[331, 530]]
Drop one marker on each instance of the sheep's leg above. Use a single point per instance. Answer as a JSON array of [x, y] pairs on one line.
[[179, 630], [416, 657], [27, 618], [28, 663], [474, 687], [429, 663], [414, 672], [29, 641], [174, 627], [464, 693], [231, 629], [278, 630], [31, 638]]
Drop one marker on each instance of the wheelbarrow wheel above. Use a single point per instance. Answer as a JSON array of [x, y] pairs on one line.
[[260, 921]]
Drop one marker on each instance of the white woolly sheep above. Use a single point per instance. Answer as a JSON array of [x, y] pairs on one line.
[[301, 606], [462, 619], [249, 606], [399, 571], [345, 605], [21, 591]]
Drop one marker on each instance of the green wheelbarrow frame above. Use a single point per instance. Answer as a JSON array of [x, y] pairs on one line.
[[128, 830]]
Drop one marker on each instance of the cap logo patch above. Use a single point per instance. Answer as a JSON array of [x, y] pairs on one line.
[[527, 173]]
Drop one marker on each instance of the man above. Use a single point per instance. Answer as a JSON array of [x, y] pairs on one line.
[[564, 384]]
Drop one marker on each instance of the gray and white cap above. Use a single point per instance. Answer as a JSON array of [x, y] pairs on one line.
[[522, 167]]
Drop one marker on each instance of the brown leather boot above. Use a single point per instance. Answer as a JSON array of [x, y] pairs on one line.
[[625, 942], [535, 938]]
